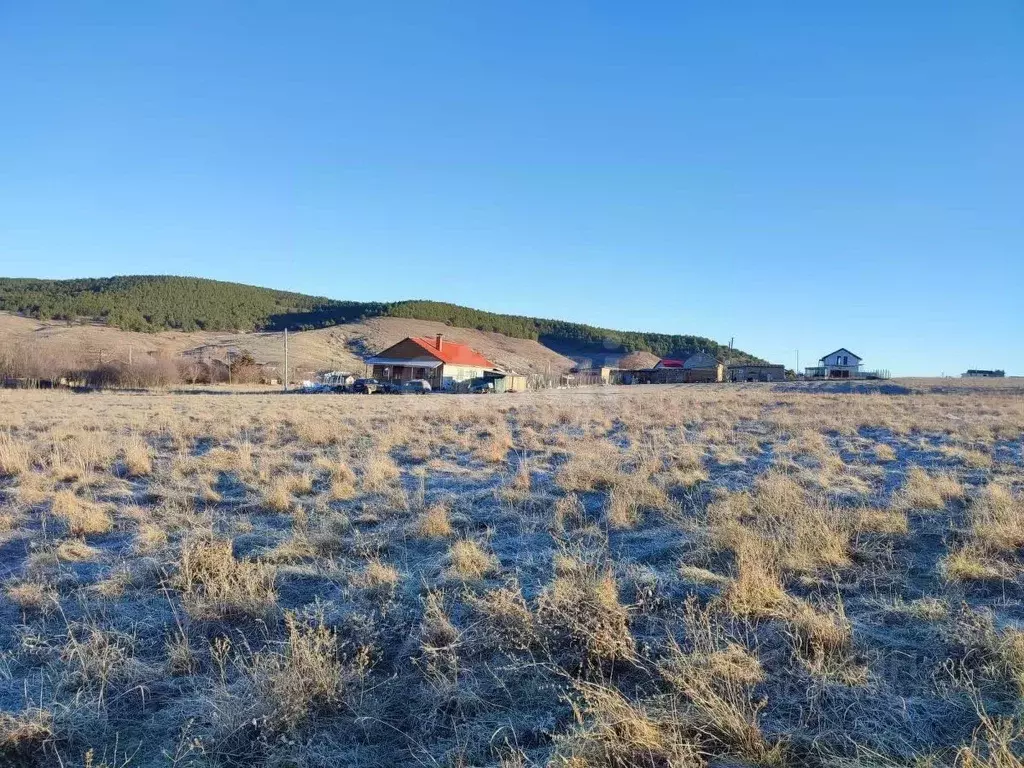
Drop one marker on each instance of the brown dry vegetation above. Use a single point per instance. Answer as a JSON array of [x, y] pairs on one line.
[[636, 576]]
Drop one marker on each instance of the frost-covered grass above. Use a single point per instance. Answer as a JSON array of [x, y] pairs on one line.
[[628, 576]]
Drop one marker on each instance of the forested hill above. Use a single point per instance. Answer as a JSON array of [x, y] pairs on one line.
[[160, 303]]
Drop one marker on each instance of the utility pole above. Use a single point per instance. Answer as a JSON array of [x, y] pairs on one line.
[[797, 371], [129, 356], [285, 359]]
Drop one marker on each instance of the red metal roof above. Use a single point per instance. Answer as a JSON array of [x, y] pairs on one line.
[[671, 363], [453, 353]]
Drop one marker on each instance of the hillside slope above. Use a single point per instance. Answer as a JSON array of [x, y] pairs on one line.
[[339, 347], [167, 303]]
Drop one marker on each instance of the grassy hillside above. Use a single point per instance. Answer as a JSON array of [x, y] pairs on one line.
[[161, 303]]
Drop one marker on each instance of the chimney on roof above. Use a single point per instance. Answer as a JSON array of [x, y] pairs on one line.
[[439, 341]]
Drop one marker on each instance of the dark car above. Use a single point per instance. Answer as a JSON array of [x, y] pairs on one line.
[[365, 386], [416, 387], [481, 387]]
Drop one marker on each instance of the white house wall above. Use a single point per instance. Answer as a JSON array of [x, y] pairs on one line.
[[456, 374]]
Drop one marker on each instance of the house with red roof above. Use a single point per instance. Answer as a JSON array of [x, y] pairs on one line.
[[445, 364]]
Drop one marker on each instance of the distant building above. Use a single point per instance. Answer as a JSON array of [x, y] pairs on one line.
[[754, 372], [445, 364], [979, 373], [699, 367], [841, 364]]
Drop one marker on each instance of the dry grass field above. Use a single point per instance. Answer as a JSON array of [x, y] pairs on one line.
[[637, 576]]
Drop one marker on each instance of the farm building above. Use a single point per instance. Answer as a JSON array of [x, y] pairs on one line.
[[445, 364], [699, 367], [506, 382], [980, 373], [752, 372]]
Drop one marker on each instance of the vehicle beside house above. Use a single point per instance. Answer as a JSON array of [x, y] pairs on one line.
[[445, 365]]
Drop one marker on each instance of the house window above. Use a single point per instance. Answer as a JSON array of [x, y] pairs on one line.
[[843, 360]]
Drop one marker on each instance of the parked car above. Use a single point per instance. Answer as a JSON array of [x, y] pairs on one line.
[[366, 386], [481, 387], [417, 387]]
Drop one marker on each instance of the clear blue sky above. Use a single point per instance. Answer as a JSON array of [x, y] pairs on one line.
[[797, 175]]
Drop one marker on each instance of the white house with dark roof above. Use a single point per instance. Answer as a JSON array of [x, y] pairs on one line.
[[841, 364]]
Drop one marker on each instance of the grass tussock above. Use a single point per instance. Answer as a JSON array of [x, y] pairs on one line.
[[435, 522], [581, 609], [215, 585], [929, 491], [989, 549], [82, 517], [469, 561], [138, 460]]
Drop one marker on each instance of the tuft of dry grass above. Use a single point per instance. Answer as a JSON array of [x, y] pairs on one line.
[[996, 534], [756, 589], [435, 522], [214, 584], [824, 640], [468, 560], [884, 453], [138, 460], [713, 680], [613, 731], [83, 517], [581, 608], [76, 551], [379, 473], [14, 456], [926, 491], [31, 595], [997, 519], [888, 521], [25, 733], [378, 578]]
